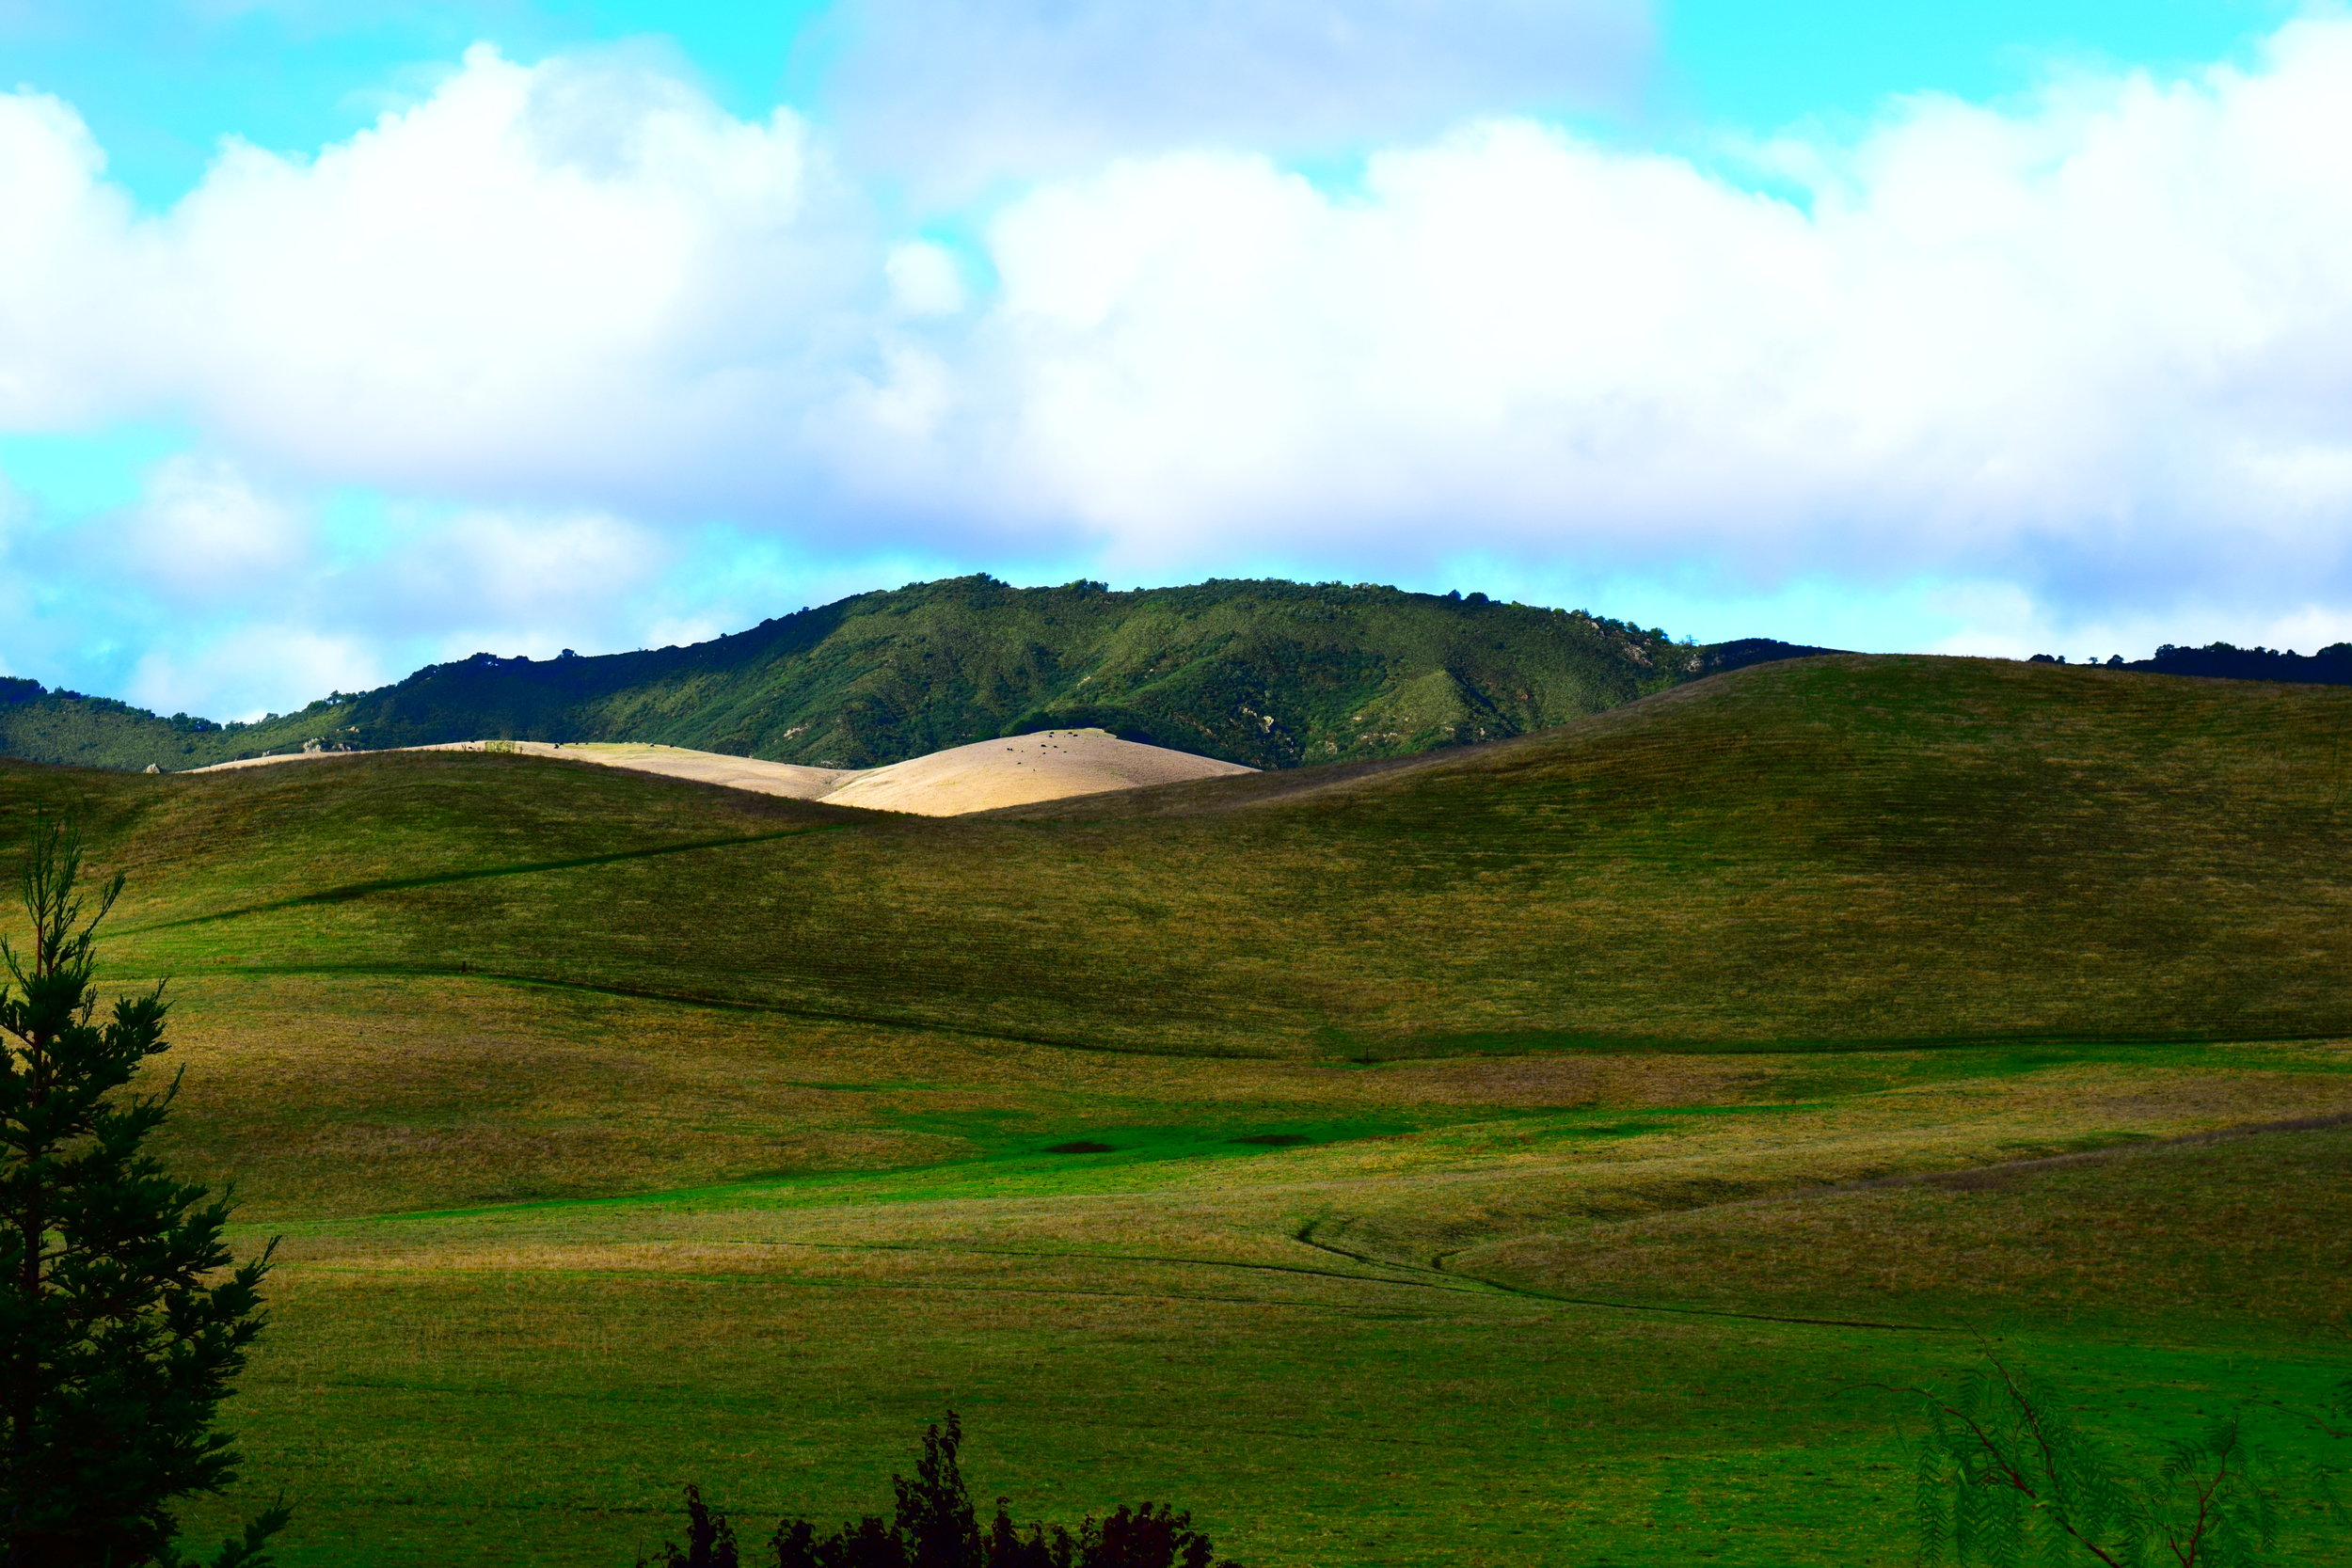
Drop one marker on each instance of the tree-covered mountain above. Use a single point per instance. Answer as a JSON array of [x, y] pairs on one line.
[[1269, 674]]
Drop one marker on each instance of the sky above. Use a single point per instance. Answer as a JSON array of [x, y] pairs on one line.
[[340, 336]]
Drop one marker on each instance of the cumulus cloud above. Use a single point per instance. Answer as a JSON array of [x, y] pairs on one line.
[[215, 594], [540, 281], [69, 263], [530, 581], [2103, 346], [2090, 355], [954, 94], [241, 672], [204, 530]]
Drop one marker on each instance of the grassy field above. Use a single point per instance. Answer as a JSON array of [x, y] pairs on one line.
[[1553, 1152]]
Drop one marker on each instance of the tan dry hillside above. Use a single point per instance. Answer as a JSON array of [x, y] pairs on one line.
[[1052, 765], [988, 775]]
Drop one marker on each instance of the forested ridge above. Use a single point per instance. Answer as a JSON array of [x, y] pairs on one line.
[[1266, 673]]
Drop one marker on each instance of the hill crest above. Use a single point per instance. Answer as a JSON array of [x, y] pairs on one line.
[[1262, 673]]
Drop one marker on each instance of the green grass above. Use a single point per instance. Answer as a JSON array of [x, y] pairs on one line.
[[1838, 850], [529, 1380], [2082, 1241], [1669, 1085]]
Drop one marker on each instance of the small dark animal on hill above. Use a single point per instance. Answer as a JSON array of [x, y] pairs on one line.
[[933, 1525]]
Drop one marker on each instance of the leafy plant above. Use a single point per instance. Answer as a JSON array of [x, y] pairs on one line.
[[118, 1340], [2334, 1424], [2006, 1479], [933, 1525]]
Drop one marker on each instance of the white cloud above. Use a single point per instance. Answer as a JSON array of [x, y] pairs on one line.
[[540, 281], [244, 673], [217, 596], [527, 581], [924, 280], [204, 529], [956, 93], [69, 264], [2103, 346], [2091, 356], [2003, 623]]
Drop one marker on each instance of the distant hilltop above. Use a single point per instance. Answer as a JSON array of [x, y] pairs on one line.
[[2331, 666], [1263, 673]]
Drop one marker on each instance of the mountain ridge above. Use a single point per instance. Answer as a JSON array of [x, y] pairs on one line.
[[1262, 673]]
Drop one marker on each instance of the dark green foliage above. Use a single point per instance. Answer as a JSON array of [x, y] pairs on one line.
[[1269, 674], [2335, 1426], [2331, 666], [709, 1539], [935, 1510], [2006, 1477], [244, 1550], [1146, 1537], [117, 1341], [99, 732], [933, 1525]]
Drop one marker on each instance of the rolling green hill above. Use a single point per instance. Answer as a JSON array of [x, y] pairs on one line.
[[1548, 1151], [1884, 848], [1267, 673]]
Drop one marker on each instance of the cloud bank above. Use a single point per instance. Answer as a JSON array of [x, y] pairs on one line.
[[954, 94], [2102, 348], [569, 278], [2090, 355]]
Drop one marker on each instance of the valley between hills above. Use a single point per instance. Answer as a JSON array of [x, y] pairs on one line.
[[1556, 1149]]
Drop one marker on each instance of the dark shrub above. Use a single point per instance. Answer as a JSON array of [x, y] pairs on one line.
[[709, 1539], [933, 1525]]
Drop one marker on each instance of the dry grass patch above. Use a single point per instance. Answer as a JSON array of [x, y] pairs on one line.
[[2254, 1233]]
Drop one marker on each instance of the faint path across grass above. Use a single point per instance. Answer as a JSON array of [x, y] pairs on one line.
[[1305, 1235]]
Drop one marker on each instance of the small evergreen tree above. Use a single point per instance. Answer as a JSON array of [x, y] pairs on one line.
[[118, 1332]]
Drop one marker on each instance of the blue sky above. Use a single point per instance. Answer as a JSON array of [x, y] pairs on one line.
[[161, 82], [336, 338]]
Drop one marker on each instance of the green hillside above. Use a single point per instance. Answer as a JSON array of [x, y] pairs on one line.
[[1269, 674], [1544, 1152], [1882, 849]]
